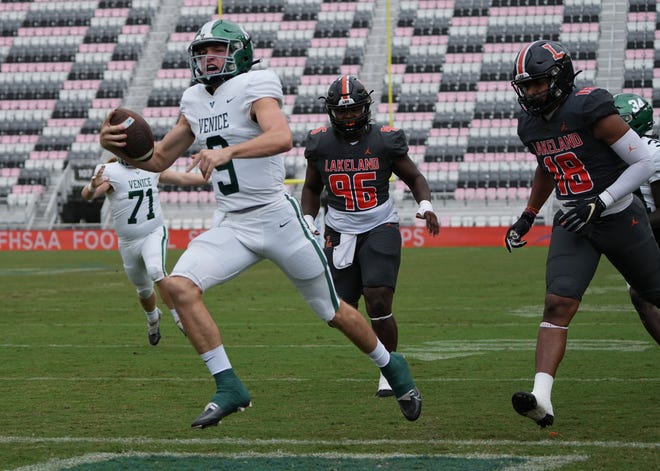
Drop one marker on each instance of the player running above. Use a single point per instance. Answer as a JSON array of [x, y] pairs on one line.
[[235, 114], [142, 235], [593, 161], [354, 160]]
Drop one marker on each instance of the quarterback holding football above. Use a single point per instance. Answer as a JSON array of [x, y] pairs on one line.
[[234, 113]]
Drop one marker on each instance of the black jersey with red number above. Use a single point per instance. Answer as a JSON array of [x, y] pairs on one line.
[[356, 175], [581, 165]]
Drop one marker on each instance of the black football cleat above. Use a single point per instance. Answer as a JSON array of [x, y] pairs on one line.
[[213, 415], [411, 404], [231, 397], [153, 330], [407, 395], [527, 405]]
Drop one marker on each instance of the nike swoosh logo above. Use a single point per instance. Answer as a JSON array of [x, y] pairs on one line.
[[284, 224], [230, 99], [592, 208]]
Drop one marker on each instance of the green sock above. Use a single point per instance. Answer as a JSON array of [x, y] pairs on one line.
[[224, 377]]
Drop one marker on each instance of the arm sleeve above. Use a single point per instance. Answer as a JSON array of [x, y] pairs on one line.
[[636, 154]]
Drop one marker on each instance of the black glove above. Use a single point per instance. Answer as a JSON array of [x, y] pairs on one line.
[[584, 212], [519, 229]]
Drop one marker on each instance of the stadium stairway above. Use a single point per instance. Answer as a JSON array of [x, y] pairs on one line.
[[376, 55], [612, 44]]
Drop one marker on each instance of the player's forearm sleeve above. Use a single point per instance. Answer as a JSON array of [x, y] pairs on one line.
[[636, 154]]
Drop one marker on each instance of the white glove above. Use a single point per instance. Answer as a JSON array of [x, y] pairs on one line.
[[310, 224]]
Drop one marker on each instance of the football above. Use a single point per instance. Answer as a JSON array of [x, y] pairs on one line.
[[139, 137]]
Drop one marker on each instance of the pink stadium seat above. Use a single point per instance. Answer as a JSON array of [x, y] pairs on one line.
[[173, 73], [328, 42], [429, 40], [14, 6], [343, 6], [196, 3], [184, 37], [522, 193], [96, 47], [287, 61], [172, 196], [193, 197], [106, 103], [121, 65], [112, 12], [352, 69], [512, 193]]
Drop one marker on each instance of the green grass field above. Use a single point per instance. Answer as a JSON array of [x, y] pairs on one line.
[[82, 389]]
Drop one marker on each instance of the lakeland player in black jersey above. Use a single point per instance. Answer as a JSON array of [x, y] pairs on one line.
[[354, 161], [593, 161]]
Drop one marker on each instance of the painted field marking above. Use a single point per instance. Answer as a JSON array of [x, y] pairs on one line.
[[445, 349], [51, 271], [285, 461]]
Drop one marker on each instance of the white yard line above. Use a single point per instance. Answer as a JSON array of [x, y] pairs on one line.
[[330, 443]]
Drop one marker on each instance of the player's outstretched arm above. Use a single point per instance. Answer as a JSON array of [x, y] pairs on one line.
[[173, 177], [97, 185]]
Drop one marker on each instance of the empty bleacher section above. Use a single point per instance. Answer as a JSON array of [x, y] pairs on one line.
[[65, 64]]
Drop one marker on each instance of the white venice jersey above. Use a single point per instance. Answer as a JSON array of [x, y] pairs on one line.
[[223, 119], [134, 203], [654, 147]]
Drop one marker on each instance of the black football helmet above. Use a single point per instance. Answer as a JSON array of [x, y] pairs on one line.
[[347, 93], [543, 59], [238, 58]]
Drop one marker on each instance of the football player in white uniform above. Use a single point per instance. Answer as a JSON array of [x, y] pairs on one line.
[[235, 115], [638, 113], [142, 235]]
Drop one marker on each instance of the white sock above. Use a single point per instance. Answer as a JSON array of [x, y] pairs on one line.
[[153, 315], [216, 360], [543, 390], [175, 315], [380, 355]]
